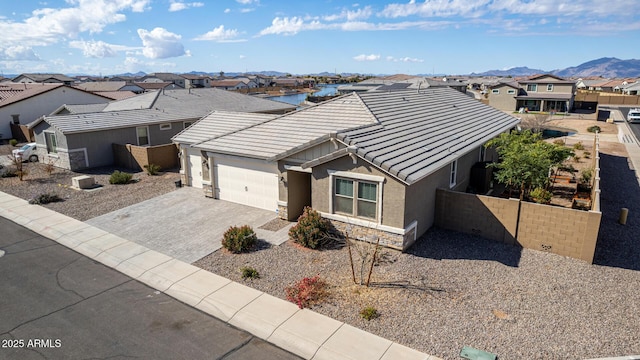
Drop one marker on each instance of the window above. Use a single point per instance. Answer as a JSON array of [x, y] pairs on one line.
[[52, 143], [453, 174], [166, 126], [532, 87], [16, 119], [356, 198], [186, 124], [143, 135], [482, 155], [495, 91], [511, 91], [549, 87]]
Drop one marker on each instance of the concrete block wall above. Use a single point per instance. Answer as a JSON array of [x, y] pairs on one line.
[[137, 157], [558, 230], [490, 217], [562, 231]]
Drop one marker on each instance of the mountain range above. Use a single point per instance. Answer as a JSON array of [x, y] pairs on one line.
[[607, 67]]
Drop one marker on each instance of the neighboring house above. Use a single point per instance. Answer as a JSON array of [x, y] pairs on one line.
[[632, 89], [229, 84], [84, 136], [109, 86], [196, 81], [165, 77], [25, 102], [369, 162], [537, 93], [287, 82], [153, 86], [44, 78]]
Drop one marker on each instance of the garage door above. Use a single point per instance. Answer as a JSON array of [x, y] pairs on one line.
[[245, 181], [195, 168]]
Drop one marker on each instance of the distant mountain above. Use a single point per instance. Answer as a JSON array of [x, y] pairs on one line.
[[605, 67], [516, 71]]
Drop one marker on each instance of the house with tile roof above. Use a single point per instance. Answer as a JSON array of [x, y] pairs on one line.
[[369, 162], [546, 93], [22, 103], [44, 78], [83, 136]]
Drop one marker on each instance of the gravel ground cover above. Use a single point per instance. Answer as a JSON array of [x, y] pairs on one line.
[[453, 290], [82, 204]]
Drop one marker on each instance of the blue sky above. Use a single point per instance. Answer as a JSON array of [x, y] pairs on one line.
[[369, 37]]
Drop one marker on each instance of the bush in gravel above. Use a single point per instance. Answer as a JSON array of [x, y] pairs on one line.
[[578, 146], [311, 229], [239, 239], [7, 173], [369, 313], [249, 273], [593, 128], [120, 178], [45, 199], [307, 291], [152, 169], [13, 142]]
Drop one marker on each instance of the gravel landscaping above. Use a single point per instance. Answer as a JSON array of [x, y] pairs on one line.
[[453, 290], [85, 204]]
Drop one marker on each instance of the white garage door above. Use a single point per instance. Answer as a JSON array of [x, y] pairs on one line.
[[245, 181], [195, 168]]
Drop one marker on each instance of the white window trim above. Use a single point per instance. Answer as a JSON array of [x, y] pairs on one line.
[[356, 176], [482, 155], [453, 173], [534, 88], [184, 124], [165, 126], [549, 87], [55, 154], [148, 136], [495, 91], [511, 91]]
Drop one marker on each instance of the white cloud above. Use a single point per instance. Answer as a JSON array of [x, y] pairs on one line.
[[227, 10], [247, 2], [178, 6], [242, 57], [13, 53], [161, 44], [48, 25], [437, 8], [292, 26], [363, 13], [219, 34], [98, 49], [404, 59], [363, 57]]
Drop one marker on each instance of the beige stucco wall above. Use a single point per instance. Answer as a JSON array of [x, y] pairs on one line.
[[503, 101]]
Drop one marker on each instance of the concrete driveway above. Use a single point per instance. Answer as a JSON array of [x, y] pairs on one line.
[[185, 224]]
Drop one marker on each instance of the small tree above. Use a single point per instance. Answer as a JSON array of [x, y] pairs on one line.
[[525, 160], [21, 171], [536, 122]]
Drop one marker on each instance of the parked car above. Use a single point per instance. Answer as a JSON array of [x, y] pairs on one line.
[[26, 152]]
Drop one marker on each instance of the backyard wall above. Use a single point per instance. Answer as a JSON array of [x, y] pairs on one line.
[[561, 231], [606, 99], [136, 157]]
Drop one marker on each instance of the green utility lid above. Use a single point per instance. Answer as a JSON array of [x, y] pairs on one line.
[[470, 353]]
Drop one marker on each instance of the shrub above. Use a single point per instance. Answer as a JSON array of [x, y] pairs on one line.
[[369, 313], [239, 239], [8, 173], [586, 175], [13, 142], [587, 154], [311, 229], [152, 169], [249, 273], [593, 128], [120, 178], [307, 291], [45, 199], [541, 196], [578, 146], [559, 142]]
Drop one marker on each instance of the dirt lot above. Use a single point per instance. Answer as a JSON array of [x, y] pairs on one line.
[[85, 204]]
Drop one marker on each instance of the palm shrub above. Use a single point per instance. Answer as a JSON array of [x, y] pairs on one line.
[[152, 169], [118, 178], [311, 229], [239, 239]]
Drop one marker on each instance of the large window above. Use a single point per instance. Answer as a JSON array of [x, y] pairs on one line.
[[143, 135], [52, 144], [356, 198], [532, 87]]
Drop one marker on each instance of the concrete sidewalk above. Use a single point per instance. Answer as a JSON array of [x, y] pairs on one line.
[[302, 332]]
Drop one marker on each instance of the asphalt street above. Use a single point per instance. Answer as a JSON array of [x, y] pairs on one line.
[[58, 304]]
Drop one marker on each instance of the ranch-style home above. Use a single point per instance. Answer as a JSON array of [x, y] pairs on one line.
[[369, 162]]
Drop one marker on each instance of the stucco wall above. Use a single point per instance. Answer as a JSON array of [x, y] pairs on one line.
[[503, 100]]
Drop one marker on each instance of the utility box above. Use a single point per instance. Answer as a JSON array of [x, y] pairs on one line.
[[83, 182]]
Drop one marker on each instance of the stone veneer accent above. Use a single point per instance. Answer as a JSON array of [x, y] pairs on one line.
[[283, 212], [363, 233]]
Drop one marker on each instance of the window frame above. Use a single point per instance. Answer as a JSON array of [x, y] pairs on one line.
[[184, 124], [495, 91], [532, 87], [549, 87], [138, 136], [453, 174], [165, 126], [511, 92], [356, 197], [51, 146]]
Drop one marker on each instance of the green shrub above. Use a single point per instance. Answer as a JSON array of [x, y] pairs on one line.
[[559, 142], [541, 196], [578, 146], [307, 291], [369, 313], [13, 142], [594, 128], [249, 273], [45, 199], [311, 229], [8, 173], [586, 175], [120, 178], [239, 239], [152, 169]]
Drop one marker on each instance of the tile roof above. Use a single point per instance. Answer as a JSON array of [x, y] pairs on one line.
[[420, 132], [218, 123], [101, 85], [44, 77], [13, 92]]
